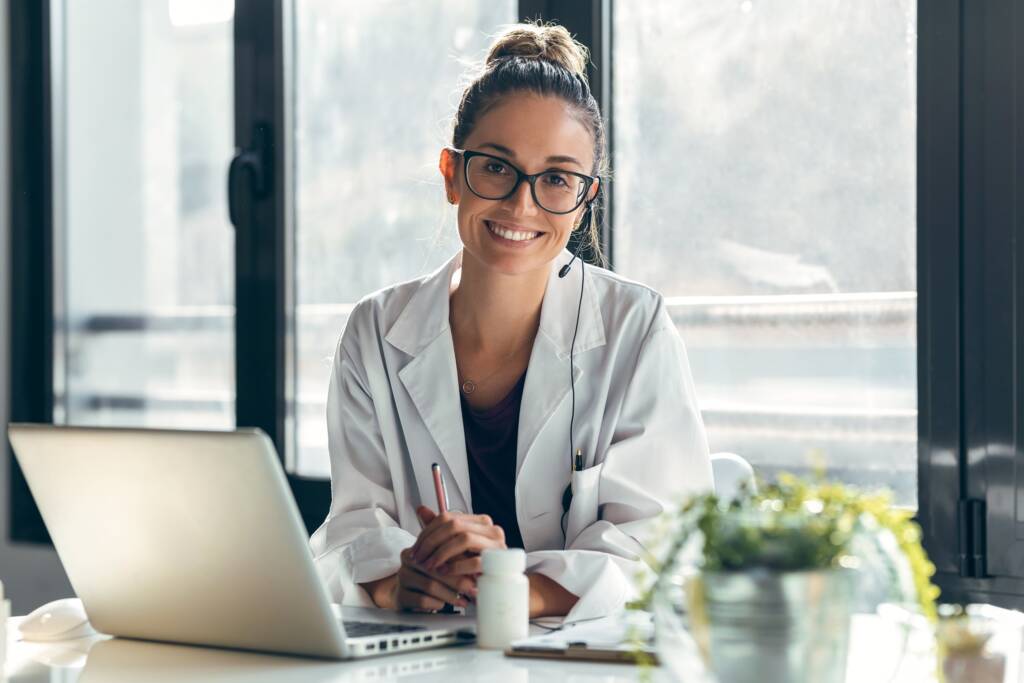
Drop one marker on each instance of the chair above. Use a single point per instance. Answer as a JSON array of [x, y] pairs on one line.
[[729, 472]]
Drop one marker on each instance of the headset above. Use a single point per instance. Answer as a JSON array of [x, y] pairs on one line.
[[575, 455]]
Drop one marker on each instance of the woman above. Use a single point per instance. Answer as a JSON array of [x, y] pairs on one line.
[[500, 365]]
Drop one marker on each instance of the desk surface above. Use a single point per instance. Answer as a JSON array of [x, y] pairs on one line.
[[101, 659]]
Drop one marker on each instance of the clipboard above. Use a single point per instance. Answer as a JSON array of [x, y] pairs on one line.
[[580, 652], [620, 638]]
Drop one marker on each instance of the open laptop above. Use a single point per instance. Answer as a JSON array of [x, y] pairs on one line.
[[194, 537]]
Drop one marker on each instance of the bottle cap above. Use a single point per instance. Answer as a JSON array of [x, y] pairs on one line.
[[510, 561]]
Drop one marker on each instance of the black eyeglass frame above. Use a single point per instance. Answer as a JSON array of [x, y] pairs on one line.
[[529, 178]]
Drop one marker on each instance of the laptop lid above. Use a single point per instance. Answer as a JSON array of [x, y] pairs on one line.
[[181, 536]]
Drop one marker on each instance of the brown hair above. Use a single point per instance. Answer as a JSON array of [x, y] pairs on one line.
[[541, 59]]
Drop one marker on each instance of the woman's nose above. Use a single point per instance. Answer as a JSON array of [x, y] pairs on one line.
[[522, 200]]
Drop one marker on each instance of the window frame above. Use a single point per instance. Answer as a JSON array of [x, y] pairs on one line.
[[971, 158], [265, 362], [31, 246], [938, 254]]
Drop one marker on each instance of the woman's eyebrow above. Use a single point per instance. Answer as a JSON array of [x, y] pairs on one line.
[[512, 155]]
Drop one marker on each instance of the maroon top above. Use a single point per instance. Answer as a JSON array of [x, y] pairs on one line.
[[491, 437]]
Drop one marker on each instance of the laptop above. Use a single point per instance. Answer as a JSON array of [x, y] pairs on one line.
[[193, 537]]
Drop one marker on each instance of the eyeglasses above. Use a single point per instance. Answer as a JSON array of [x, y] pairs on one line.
[[491, 177]]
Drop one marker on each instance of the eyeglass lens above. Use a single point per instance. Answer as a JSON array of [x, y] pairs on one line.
[[555, 191]]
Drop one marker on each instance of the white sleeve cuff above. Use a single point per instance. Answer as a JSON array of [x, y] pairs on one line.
[[598, 579], [373, 555]]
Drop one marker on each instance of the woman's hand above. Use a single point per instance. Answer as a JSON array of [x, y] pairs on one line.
[[418, 589], [414, 588], [450, 544]]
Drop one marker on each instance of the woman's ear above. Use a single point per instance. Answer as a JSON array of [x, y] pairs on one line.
[[448, 169]]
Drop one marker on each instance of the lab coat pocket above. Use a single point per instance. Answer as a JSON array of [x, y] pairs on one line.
[[583, 509]]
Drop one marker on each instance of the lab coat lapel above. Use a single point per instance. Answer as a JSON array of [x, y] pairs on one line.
[[547, 385], [432, 383], [547, 379], [431, 380]]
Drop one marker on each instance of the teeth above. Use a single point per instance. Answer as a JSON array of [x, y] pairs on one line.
[[514, 235]]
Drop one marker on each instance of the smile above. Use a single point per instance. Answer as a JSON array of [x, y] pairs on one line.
[[509, 234]]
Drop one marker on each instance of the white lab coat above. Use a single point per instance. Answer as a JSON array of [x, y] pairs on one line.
[[393, 409]]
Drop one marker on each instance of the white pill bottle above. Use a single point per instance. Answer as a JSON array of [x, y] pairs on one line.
[[503, 599]]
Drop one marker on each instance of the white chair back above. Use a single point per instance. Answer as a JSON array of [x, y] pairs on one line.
[[730, 471]]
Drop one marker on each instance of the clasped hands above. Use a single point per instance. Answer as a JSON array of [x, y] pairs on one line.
[[444, 562]]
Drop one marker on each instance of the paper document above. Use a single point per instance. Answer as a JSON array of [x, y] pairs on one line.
[[617, 637]]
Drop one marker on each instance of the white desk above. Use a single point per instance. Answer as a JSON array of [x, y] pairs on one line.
[[100, 659]]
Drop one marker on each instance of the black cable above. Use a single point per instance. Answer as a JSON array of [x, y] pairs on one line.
[[567, 495], [572, 367]]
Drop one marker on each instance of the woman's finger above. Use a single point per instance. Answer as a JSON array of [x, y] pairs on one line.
[[433, 587], [425, 514], [409, 599], [446, 523], [447, 589], [460, 583], [464, 541], [444, 527], [433, 521], [469, 565]]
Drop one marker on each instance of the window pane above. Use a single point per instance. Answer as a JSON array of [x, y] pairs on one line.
[[377, 84], [145, 253], [765, 183]]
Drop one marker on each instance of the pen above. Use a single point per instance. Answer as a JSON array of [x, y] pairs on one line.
[[442, 492], [442, 507], [578, 466]]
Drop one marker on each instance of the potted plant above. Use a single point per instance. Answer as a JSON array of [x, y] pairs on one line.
[[762, 587]]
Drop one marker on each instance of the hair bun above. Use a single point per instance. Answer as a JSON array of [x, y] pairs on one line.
[[549, 42]]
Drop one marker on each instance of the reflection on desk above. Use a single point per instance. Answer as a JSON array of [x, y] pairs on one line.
[[877, 654], [101, 659]]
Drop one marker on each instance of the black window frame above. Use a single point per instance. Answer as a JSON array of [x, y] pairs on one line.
[[30, 250], [971, 316], [970, 192]]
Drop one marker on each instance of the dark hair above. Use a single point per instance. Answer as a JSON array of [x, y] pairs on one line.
[[541, 59]]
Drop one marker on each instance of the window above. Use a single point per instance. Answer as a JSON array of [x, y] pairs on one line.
[[833, 217], [143, 262], [765, 183], [373, 110]]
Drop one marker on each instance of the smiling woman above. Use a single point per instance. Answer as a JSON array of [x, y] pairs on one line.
[[500, 363], [537, 210]]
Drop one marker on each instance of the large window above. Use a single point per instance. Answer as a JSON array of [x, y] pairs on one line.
[[376, 85], [143, 250], [765, 183], [755, 185], [829, 199]]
